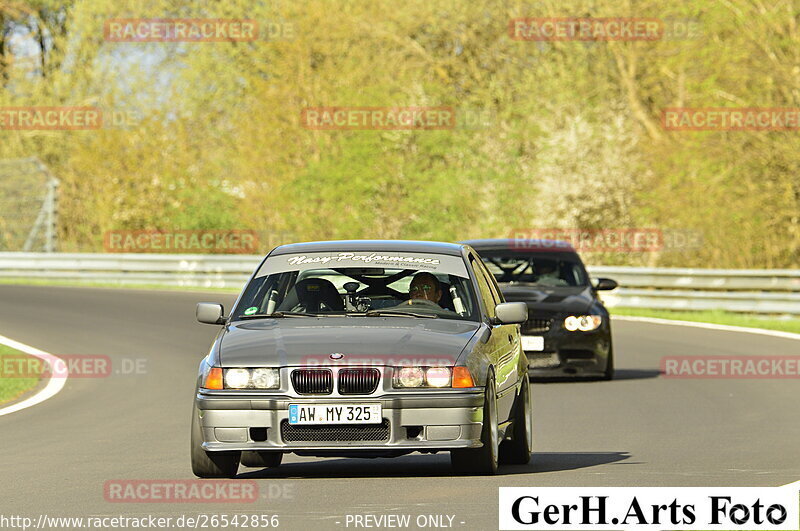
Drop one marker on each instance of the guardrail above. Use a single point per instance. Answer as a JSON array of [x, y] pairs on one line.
[[775, 291], [190, 270], [770, 291]]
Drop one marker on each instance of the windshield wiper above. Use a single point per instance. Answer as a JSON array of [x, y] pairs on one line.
[[403, 313], [280, 314]]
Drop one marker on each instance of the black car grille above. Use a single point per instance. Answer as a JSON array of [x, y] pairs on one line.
[[312, 381], [335, 433], [536, 325], [358, 381]]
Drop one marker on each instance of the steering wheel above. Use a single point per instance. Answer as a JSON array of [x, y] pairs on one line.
[[423, 302]]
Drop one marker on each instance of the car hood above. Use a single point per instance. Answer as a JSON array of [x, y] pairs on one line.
[[576, 299], [360, 341]]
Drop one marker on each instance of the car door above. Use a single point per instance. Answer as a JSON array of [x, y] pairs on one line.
[[503, 342]]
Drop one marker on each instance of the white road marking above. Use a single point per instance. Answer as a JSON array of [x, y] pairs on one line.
[[709, 326], [54, 385]]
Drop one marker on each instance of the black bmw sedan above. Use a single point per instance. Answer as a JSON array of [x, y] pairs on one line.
[[568, 331]]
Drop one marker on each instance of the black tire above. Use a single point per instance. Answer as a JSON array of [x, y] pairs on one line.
[[518, 449], [609, 373], [210, 464], [262, 459], [481, 461]]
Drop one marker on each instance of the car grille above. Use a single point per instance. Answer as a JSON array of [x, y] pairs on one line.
[[312, 381], [358, 381], [536, 325], [335, 433]]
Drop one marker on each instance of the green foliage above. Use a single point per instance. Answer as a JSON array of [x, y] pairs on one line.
[[574, 137], [14, 384]]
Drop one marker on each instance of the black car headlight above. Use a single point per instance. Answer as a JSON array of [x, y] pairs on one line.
[[583, 323]]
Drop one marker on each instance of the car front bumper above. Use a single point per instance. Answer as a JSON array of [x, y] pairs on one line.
[[571, 354], [416, 421]]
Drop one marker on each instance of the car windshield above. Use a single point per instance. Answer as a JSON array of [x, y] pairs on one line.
[[315, 285], [545, 269]]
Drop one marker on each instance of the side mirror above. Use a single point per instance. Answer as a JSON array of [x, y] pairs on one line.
[[605, 284], [210, 313], [511, 312]]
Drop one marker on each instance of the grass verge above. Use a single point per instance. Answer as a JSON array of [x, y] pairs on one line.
[[784, 324], [13, 387]]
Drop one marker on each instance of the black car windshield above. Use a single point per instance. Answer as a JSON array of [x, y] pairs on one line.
[[541, 269], [318, 284]]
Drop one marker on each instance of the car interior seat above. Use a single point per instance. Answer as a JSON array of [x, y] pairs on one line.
[[313, 295]]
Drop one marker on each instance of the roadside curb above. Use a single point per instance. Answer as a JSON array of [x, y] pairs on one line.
[[54, 384]]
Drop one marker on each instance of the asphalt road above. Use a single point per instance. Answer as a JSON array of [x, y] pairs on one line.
[[639, 430]]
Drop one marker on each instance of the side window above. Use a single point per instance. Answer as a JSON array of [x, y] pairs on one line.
[[483, 286], [492, 281]]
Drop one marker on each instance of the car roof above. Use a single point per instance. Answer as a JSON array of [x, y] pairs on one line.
[[520, 244], [454, 249]]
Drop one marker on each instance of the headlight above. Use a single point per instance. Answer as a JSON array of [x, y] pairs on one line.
[[584, 323], [265, 378], [252, 379], [409, 377], [438, 377], [237, 378]]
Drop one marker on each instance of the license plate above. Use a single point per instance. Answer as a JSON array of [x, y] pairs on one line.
[[533, 343], [335, 414]]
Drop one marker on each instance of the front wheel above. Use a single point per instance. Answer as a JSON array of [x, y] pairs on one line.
[[483, 460], [210, 464], [517, 450]]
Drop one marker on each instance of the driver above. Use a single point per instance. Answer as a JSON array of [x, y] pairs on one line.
[[548, 273], [547, 269], [424, 286]]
